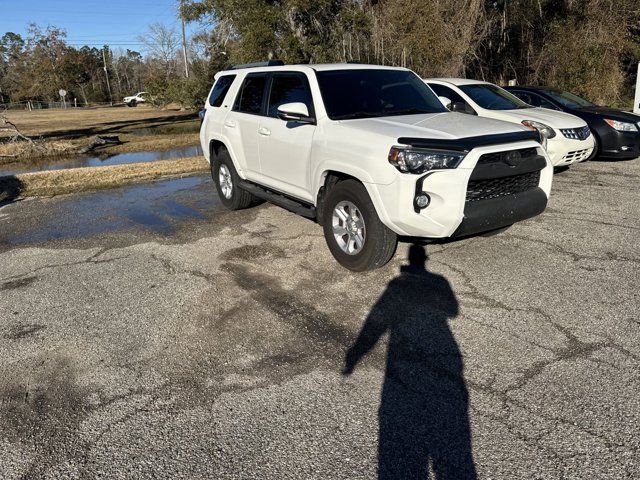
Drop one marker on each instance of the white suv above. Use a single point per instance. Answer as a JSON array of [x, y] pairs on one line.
[[371, 154], [133, 100], [566, 138]]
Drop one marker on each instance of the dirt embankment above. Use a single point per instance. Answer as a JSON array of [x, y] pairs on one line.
[[73, 180]]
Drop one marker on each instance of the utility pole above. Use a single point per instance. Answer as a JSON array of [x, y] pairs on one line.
[[106, 73], [636, 103], [184, 42]]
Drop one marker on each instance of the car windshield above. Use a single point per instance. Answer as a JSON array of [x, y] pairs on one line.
[[493, 97], [366, 93], [568, 99]]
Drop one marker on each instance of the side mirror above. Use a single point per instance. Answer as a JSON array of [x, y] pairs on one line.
[[459, 107], [445, 101], [295, 112]]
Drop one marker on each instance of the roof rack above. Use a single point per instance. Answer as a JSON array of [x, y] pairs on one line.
[[269, 63]]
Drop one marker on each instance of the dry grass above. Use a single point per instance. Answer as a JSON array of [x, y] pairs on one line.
[[59, 182], [137, 143], [18, 151]]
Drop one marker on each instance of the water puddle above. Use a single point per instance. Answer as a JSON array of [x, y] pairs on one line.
[[100, 161], [159, 207]]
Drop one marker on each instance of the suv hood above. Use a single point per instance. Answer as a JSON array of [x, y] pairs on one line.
[[552, 118], [445, 125]]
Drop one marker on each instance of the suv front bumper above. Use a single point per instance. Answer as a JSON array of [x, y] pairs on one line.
[[452, 212], [495, 213]]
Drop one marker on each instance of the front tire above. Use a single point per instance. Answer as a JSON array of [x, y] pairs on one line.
[[356, 237], [596, 148], [227, 180]]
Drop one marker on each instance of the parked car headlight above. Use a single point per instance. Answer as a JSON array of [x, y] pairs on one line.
[[419, 160], [621, 126], [545, 130]]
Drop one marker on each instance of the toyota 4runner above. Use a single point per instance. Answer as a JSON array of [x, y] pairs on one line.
[[370, 153]]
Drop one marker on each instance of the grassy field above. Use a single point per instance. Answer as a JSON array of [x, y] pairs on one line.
[[60, 123], [64, 132]]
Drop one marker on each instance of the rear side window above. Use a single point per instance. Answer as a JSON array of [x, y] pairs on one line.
[[538, 101], [220, 90], [289, 88], [524, 96], [251, 94]]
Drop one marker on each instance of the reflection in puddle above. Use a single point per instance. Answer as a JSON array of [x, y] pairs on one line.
[[159, 207], [100, 161]]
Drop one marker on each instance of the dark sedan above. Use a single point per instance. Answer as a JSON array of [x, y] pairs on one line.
[[617, 132]]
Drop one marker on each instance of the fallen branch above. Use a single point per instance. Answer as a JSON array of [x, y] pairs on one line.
[[15, 133], [101, 141]]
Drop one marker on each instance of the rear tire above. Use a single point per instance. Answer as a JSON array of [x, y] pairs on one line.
[[227, 180], [356, 237]]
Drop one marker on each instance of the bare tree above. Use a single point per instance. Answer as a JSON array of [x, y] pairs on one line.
[[163, 44]]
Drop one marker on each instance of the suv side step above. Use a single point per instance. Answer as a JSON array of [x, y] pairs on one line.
[[300, 208]]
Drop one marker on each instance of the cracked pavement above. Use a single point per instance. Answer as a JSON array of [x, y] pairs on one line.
[[148, 333]]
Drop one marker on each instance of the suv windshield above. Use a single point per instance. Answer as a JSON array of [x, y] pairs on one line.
[[493, 97], [568, 99], [366, 93]]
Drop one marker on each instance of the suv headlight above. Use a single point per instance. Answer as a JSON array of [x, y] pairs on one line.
[[621, 126], [419, 160], [545, 130]]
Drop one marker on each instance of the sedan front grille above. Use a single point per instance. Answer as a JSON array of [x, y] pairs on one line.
[[577, 155], [581, 133], [499, 187]]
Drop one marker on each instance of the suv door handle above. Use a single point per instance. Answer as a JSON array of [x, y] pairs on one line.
[[265, 132], [230, 124]]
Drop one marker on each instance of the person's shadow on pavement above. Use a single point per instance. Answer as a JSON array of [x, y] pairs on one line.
[[423, 416]]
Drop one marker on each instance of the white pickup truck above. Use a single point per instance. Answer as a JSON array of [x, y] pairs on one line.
[[370, 153]]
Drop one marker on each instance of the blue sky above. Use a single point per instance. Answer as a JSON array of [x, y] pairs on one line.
[[118, 23]]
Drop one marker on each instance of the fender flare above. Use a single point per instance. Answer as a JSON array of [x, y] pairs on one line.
[[356, 173], [232, 154]]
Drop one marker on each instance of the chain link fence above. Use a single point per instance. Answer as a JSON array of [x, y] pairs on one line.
[[41, 105]]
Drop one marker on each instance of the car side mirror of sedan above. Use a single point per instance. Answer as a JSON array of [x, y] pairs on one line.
[[446, 102], [295, 112], [460, 107]]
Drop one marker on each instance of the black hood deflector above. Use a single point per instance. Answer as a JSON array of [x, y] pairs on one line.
[[467, 144]]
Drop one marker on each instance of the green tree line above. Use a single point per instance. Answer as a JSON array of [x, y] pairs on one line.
[[37, 66], [590, 47]]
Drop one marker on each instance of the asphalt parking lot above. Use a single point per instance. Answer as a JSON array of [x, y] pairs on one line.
[[147, 333]]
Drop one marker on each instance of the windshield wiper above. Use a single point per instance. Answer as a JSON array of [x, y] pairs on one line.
[[354, 115], [408, 111]]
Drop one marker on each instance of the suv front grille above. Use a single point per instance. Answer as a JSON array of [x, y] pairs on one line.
[[499, 187], [508, 156], [576, 133]]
